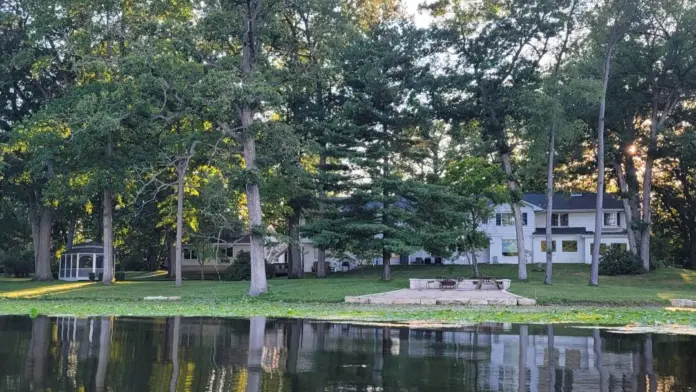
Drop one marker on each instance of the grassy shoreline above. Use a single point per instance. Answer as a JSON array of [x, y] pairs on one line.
[[618, 300], [446, 315]]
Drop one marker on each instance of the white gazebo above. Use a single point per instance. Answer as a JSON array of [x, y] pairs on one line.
[[80, 260]]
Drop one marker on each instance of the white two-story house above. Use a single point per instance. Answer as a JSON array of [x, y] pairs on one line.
[[573, 227]]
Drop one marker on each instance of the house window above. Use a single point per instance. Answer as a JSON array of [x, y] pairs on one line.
[[504, 219], [509, 247], [508, 219], [569, 246], [612, 219], [543, 246], [559, 220], [190, 254]]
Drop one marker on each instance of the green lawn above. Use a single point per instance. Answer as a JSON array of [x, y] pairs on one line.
[[618, 300], [569, 288]]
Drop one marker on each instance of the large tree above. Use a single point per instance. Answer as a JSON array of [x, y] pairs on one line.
[[382, 82], [238, 92], [498, 50]]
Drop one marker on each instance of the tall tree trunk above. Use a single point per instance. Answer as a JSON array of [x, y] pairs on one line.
[[35, 235], [35, 227], [296, 269], [474, 263], [692, 250], [175, 354], [386, 267], [386, 253], [517, 212], [43, 265], [599, 216], [170, 241], [258, 284], [321, 253], [108, 263], [647, 191], [631, 176], [103, 358], [181, 174], [628, 211], [549, 205], [257, 331]]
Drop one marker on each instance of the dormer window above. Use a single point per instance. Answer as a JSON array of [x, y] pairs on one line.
[[508, 219], [559, 220], [612, 219]]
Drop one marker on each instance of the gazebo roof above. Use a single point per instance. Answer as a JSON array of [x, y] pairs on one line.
[[86, 247]]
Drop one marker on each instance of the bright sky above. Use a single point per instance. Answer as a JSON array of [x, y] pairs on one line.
[[422, 20]]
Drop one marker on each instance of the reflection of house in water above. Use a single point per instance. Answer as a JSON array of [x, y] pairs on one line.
[[292, 355], [495, 349]]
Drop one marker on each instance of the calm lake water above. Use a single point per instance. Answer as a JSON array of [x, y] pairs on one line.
[[260, 355]]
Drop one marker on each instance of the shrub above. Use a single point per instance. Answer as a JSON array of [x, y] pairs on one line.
[[120, 276], [17, 263], [617, 261], [241, 268], [92, 276]]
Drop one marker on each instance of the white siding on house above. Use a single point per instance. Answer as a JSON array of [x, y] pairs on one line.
[[310, 255], [584, 219], [500, 233], [560, 256]]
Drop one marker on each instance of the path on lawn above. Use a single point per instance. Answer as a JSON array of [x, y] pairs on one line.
[[442, 297]]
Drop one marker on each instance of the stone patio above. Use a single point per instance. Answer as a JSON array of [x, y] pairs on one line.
[[443, 297]]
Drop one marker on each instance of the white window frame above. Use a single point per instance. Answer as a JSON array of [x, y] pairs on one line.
[[502, 247], [614, 217], [577, 246], [508, 219], [557, 220]]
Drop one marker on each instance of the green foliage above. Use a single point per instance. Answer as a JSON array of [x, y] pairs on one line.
[[18, 263], [120, 276], [618, 261], [480, 185], [241, 268]]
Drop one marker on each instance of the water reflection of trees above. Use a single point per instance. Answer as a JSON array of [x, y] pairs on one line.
[[260, 355]]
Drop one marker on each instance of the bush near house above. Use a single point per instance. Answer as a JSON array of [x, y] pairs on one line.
[[617, 261], [241, 268]]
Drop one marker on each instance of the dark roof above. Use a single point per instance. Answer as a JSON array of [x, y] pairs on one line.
[[562, 230], [574, 201], [86, 247], [574, 230]]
